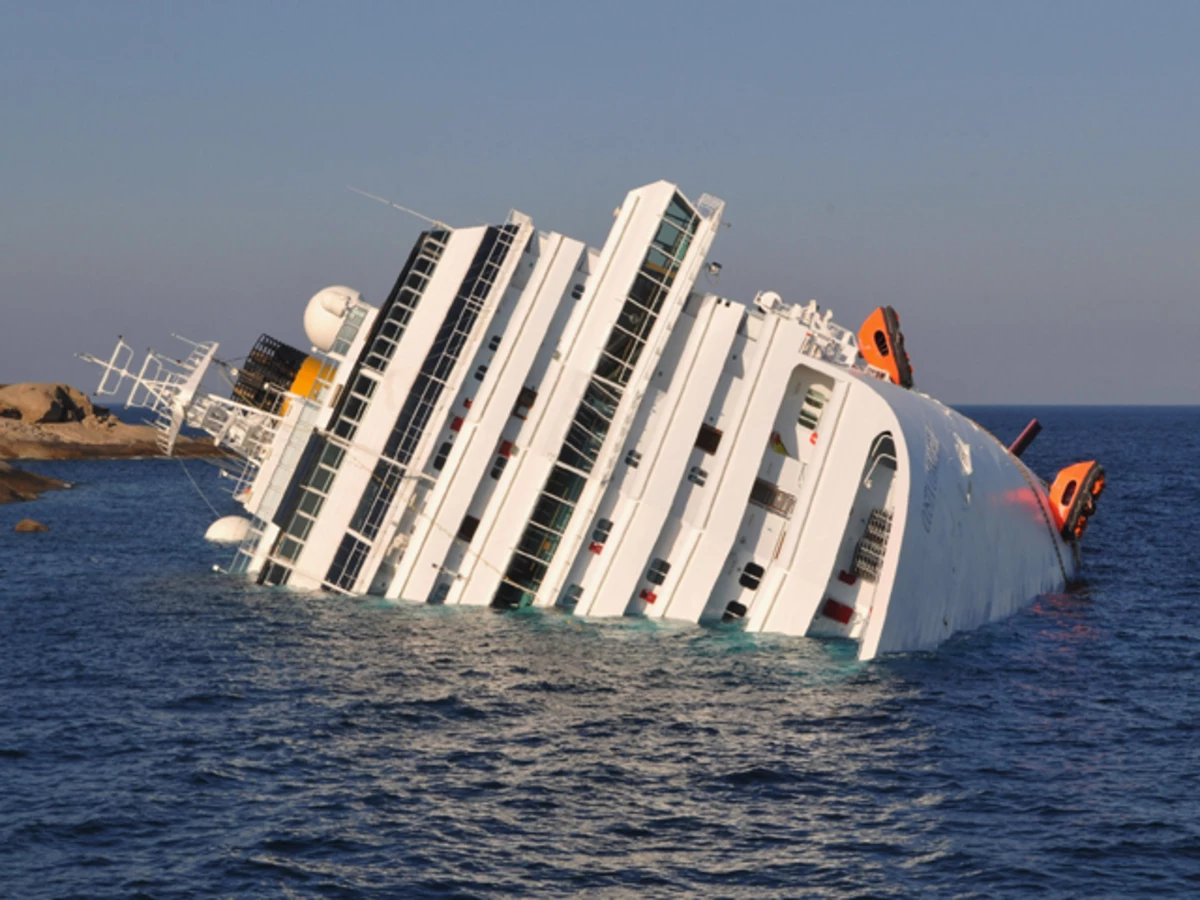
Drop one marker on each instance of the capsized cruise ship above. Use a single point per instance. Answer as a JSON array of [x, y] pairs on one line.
[[528, 421]]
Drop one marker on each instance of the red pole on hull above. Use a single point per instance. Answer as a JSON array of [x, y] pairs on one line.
[[1021, 444]]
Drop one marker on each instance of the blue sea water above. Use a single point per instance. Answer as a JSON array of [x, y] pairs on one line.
[[167, 731]]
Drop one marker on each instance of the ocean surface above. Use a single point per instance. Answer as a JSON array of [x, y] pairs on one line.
[[169, 731]]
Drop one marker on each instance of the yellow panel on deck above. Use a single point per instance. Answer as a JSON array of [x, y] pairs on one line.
[[313, 375]]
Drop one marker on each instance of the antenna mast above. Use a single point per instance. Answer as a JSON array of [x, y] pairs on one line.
[[404, 209]]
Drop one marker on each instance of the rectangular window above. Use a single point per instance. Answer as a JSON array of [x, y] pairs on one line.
[[439, 461], [769, 497], [635, 319], [300, 526], [571, 596], [564, 484], [466, 531], [480, 372], [647, 293], [525, 401], [751, 576], [657, 573], [494, 342], [577, 292], [354, 409], [697, 476], [602, 530], [498, 467], [633, 459], [709, 439], [552, 513], [321, 478], [365, 386], [538, 543], [613, 370], [289, 549]]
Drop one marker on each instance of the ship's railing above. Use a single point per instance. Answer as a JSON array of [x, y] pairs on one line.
[[168, 389], [709, 206]]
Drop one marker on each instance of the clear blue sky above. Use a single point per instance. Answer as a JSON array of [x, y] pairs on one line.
[[1020, 180]]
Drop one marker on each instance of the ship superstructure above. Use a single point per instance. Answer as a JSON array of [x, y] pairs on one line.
[[529, 421]]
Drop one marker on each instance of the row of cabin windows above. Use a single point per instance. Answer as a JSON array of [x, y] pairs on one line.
[[439, 461], [589, 427], [708, 440], [390, 330], [520, 410], [751, 576]]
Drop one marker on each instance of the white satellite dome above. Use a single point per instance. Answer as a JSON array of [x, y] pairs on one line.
[[324, 313], [228, 530]]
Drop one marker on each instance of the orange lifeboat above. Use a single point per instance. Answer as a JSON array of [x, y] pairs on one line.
[[1073, 497], [882, 345]]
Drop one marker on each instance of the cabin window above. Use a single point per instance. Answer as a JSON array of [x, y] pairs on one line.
[[709, 439], [480, 372], [771, 498], [571, 596], [633, 459], [494, 342], [289, 549], [525, 401], [810, 413], [602, 530], [658, 570], [498, 467], [321, 479], [697, 476], [751, 576], [443, 454], [577, 292], [466, 531]]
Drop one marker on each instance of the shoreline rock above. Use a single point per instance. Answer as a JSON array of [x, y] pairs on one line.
[[17, 486], [56, 421]]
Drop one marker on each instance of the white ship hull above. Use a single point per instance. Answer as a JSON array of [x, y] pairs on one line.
[[527, 421]]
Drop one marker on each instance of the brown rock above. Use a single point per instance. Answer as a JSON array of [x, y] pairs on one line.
[[28, 526], [45, 403], [17, 485]]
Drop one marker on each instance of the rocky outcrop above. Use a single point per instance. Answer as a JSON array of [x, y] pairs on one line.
[[29, 526], [47, 404], [16, 485], [56, 421]]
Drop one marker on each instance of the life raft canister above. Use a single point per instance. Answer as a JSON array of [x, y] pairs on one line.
[[1073, 497], [881, 343]]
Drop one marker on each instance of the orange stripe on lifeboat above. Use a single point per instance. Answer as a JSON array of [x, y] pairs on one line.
[[882, 345]]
